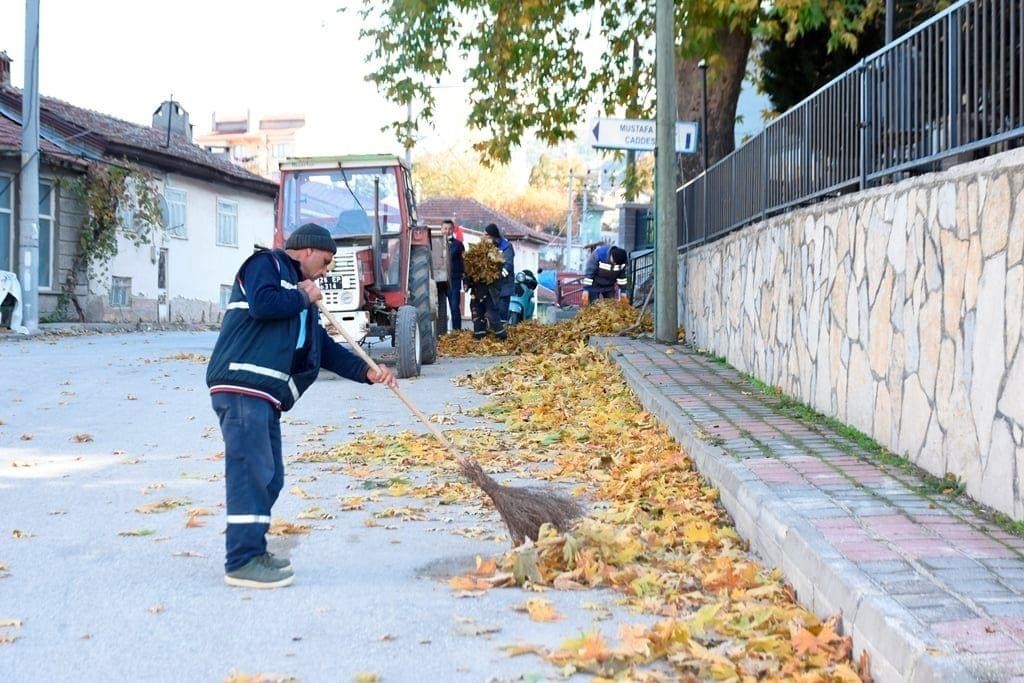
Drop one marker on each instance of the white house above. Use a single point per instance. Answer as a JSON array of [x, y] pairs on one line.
[[216, 214]]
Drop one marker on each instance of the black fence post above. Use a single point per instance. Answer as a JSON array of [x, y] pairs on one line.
[[865, 121], [953, 87]]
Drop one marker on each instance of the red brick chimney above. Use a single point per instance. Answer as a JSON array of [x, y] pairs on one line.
[[5, 69]]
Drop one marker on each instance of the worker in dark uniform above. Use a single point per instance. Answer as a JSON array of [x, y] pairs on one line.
[[605, 271]]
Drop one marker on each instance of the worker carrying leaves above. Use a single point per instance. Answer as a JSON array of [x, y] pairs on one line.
[[502, 289], [270, 349], [605, 271]]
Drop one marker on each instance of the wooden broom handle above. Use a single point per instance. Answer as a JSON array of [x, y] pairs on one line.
[[398, 392]]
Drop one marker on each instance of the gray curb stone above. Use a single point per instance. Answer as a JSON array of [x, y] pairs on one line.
[[899, 647]]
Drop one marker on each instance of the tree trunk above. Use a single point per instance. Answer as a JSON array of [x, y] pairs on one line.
[[725, 79]]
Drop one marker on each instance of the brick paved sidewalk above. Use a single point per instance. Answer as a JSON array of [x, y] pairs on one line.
[[932, 590]]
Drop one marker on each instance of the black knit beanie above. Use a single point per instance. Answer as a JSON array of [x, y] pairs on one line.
[[492, 230], [311, 236]]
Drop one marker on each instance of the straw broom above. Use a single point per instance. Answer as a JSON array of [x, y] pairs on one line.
[[523, 509]]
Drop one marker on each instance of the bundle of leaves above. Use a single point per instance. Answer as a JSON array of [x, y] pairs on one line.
[[483, 262], [604, 317]]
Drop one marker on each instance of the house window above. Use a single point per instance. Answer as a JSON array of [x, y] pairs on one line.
[[161, 270], [227, 223], [46, 204], [121, 292], [225, 296], [176, 201], [282, 150], [6, 220]]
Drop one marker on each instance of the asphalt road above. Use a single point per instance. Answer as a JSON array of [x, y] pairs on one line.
[[96, 605]]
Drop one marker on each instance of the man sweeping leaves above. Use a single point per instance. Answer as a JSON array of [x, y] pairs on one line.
[[270, 349]]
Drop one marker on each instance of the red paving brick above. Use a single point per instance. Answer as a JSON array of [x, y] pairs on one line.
[[932, 542], [977, 636]]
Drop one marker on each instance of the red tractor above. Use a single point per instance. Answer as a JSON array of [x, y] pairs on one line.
[[388, 270]]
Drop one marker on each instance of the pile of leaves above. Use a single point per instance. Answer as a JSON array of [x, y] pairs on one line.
[[604, 317], [657, 535], [483, 262]]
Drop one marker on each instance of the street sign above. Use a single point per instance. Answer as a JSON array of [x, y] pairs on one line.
[[640, 135]]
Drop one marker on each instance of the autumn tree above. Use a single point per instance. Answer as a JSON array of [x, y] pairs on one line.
[[459, 173], [528, 70]]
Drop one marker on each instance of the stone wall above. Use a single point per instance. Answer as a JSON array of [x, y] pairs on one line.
[[897, 310]]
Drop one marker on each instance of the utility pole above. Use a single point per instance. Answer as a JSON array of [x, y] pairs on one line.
[[28, 233], [568, 225], [666, 313]]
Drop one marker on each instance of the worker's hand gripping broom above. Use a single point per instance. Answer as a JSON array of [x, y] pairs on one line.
[[523, 508]]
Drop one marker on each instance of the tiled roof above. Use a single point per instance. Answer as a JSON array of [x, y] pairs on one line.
[[469, 213], [10, 141], [124, 134]]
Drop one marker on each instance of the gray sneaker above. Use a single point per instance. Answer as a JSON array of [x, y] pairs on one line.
[[276, 562], [256, 573]]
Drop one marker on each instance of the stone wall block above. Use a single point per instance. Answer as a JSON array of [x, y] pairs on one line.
[[896, 250], [932, 267], [931, 456], [876, 245], [946, 206], [954, 265], [914, 418], [971, 210], [1015, 243], [930, 336], [1011, 403], [883, 427], [945, 377], [880, 329], [999, 468], [995, 219], [1014, 310], [861, 391], [972, 273], [988, 357], [912, 345]]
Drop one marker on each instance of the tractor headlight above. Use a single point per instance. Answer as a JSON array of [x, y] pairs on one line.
[[347, 297]]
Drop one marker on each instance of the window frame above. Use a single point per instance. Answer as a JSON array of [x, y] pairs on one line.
[[51, 217], [225, 296], [217, 233], [110, 298], [9, 211], [182, 232]]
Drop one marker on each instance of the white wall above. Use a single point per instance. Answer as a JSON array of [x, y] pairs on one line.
[[196, 265]]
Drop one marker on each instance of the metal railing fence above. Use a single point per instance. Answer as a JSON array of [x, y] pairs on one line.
[[949, 89], [641, 275]]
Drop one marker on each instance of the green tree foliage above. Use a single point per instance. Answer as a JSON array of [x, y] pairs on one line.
[[119, 201], [791, 71], [527, 68]]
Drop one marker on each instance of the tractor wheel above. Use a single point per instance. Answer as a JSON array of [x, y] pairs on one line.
[[423, 296], [407, 342], [442, 309]]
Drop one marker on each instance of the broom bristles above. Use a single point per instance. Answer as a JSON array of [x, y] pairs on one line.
[[524, 509]]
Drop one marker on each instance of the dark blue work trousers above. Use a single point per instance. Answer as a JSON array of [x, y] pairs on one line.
[[253, 472], [454, 299]]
